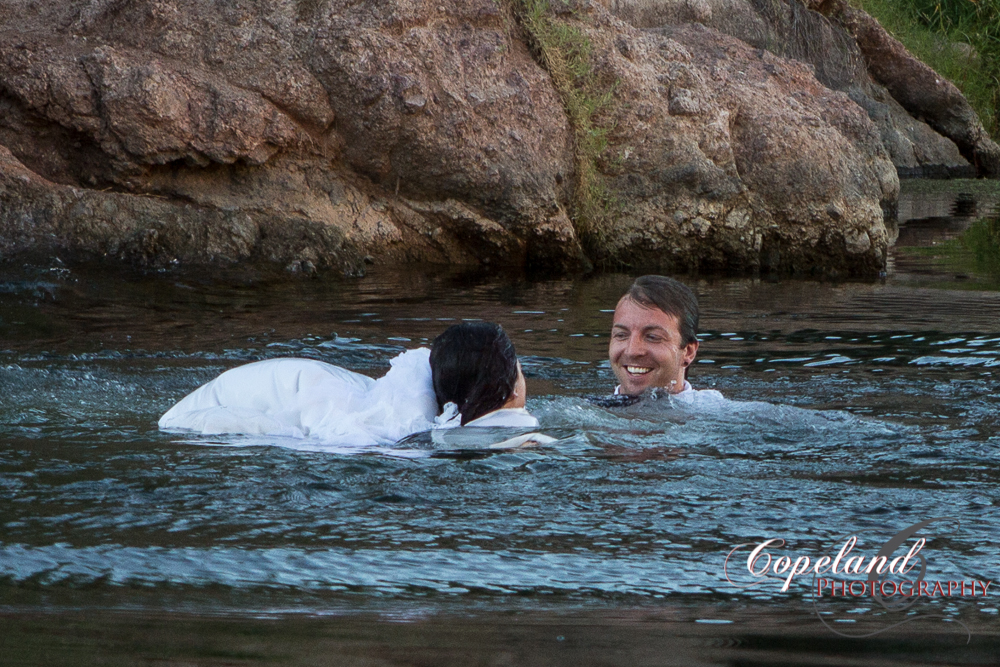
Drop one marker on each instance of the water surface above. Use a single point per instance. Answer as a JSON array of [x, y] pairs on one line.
[[856, 409]]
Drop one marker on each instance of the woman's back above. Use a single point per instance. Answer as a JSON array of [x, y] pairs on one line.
[[304, 398]]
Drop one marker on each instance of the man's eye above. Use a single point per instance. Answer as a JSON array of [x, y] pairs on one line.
[[652, 338], [619, 335]]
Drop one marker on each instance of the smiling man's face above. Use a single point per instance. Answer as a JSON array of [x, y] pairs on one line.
[[646, 349]]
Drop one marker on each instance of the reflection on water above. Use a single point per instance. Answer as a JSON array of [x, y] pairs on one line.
[[941, 235], [687, 637], [852, 408]]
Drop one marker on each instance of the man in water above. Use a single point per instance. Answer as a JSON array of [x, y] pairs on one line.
[[654, 337]]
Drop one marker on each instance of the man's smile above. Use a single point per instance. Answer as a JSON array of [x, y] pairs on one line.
[[637, 370]]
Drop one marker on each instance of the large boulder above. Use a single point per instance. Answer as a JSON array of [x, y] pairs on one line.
[[39, 217], [926, 125], [329, 134], [918, 89], [729, 158], [416, 132]]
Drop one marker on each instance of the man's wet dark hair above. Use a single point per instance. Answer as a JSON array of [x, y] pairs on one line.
[[673, 298], [474, 366]]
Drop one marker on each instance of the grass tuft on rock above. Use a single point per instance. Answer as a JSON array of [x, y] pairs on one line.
[[565, 52]]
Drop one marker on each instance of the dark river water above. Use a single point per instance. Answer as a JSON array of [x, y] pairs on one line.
[[852, 409]]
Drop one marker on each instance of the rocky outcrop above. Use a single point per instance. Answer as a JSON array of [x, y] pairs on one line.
[[926, 125], [412, 132], [731, 158], [39, 217], [327, 135], [919, 89]]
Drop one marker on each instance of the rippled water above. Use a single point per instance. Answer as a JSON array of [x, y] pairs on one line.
[[855, 408]]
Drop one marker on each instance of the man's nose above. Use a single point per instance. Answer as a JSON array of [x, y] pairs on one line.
[[636, 346]]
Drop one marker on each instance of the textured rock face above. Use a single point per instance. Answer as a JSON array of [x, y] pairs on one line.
[[330, 134], [416, 132], [849, 52], [731, 158], [39, 217], [919, 89]]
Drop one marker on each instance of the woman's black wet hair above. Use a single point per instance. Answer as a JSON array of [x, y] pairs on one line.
[[474, 366]]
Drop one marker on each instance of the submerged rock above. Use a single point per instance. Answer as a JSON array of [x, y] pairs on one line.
[[324, 135]]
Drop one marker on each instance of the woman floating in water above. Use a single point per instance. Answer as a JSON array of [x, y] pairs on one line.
[[470, 376]]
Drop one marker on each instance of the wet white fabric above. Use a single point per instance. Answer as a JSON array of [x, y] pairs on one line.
[[304, 398], [448, 431], [507, 417], [486, 438], [691, 396], [699, 397], [526, 440], [450, 417]]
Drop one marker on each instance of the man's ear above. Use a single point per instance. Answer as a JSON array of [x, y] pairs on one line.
[[690, 352]]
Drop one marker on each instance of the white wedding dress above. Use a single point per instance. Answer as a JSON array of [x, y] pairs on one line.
[[304, 398]]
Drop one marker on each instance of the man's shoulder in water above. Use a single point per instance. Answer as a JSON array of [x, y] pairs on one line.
[[687, 395]]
